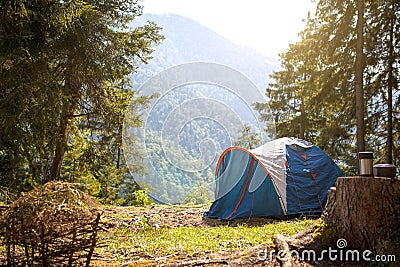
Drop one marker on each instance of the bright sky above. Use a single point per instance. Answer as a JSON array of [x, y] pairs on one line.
[[269, 26]]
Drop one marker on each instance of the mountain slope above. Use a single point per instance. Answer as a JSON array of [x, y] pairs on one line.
[[188, 41], [191, 124]]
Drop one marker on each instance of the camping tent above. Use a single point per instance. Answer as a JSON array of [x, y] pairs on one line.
[[287, 176]]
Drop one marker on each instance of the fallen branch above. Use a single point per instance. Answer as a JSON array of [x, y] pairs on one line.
[[302, 239], [196, 263], [284, 256]]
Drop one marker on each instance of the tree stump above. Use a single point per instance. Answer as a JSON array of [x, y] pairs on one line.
[[365, 212]]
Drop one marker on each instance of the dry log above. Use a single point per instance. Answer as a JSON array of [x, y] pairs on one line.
[[365, 212], [284, 254], [197, 263], [301, 240]]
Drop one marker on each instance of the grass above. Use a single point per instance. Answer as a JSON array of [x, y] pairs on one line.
[[127, 242], [133, 236]]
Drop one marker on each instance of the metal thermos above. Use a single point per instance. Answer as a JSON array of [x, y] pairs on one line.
[[365, 162]]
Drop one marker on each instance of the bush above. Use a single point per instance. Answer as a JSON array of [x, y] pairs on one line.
[[141, 198]]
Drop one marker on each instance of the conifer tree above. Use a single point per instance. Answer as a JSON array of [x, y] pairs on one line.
[[349, 52], [62, 63]]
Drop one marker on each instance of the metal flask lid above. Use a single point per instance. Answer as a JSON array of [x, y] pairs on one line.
[[365, 163], [365, 155], [385, 170]]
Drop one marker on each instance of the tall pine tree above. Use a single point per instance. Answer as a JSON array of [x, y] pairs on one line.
[[62, 63], [346, 65]]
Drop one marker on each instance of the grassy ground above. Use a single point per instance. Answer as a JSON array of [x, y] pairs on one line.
[[154, 234]]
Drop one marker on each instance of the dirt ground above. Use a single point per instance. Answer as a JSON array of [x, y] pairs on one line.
[[178, 216], [172, 216]]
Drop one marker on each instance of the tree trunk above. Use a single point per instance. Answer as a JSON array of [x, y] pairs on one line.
[[390, 83], [59, 151], [359, 71], [119, 146], [365, 212], [71, 101]]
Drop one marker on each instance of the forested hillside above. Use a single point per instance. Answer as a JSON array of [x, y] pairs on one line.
[[175, 173]]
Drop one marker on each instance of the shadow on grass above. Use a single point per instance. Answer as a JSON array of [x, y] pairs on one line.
[[259, 221]]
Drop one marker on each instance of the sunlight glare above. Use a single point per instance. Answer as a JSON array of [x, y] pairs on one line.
[[267, 26]]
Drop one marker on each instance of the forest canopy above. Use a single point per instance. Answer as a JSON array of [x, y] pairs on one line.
[[64, 90], [313, 96]]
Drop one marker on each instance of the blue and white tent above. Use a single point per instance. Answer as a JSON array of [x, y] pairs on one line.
[[287, 176]]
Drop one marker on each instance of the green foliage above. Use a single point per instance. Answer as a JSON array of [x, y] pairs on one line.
[[187, 41], [324, 233], [312, 96], [141, 198], [77, 167], [6, 196], [197, 196], [64, 91], [175, 183], [247, 139]]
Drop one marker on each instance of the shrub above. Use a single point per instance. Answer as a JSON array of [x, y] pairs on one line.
[[141, 198]]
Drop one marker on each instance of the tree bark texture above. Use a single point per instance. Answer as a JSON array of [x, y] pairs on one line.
[[390, 84], [73, 92], [365, 212], [359, 73]]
